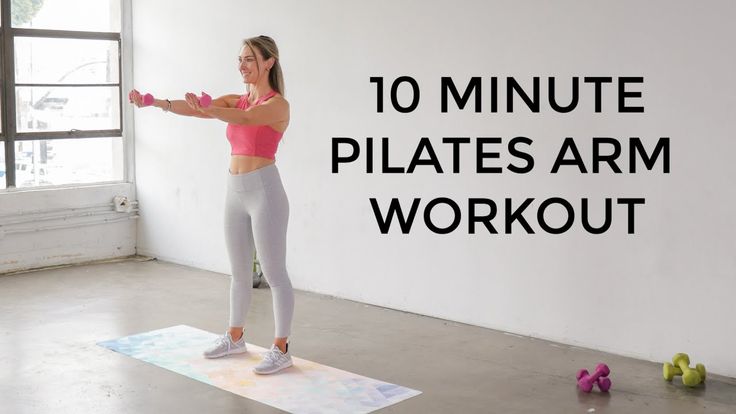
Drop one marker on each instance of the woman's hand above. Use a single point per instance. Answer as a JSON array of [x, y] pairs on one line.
[[135, 98], [193, 102]]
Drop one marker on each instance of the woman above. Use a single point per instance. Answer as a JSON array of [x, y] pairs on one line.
[[256, 206]]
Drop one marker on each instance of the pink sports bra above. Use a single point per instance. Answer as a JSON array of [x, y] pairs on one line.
[[258, 140]]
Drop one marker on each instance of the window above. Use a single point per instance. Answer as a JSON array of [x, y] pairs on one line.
[[62, 98]]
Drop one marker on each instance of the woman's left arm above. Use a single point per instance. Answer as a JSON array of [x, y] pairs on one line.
[[272, 111]]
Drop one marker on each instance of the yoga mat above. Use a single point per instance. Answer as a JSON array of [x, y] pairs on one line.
[[307, 387]]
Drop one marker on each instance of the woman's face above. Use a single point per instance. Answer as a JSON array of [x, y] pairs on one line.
[[248, 67]]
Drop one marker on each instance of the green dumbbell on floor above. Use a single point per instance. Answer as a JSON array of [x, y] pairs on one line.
[[681, 366], [258, 279]]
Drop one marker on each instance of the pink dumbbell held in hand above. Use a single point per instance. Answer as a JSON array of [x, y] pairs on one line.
[[205, 100], [586, 381], [146, 100]]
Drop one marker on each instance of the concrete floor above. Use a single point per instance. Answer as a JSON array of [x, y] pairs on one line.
[[50, 322]]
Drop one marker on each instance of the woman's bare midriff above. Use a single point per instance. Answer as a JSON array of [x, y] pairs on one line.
[[241, 164]]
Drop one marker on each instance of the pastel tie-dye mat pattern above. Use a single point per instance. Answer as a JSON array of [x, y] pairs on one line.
[[307, 387]]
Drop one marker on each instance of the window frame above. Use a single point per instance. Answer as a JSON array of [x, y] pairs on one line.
[[10, 135]]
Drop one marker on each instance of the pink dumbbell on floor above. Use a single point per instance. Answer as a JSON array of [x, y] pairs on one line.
[[600, 377]]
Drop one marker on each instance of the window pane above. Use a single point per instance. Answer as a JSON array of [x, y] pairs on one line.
[[68, 161], [66, 108], [66, 61], [84, 15]]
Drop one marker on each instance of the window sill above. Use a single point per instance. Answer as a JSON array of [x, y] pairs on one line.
[[61, 187]]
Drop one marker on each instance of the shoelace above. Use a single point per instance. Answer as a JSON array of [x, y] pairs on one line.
[[272, 356], [223, 339]]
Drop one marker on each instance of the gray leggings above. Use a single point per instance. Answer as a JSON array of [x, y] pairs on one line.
[[256, 216]]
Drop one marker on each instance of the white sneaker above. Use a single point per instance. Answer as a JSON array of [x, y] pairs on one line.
[[224, 345], [273, 361]]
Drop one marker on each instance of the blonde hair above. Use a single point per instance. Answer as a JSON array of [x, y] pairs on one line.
[[267, 48]]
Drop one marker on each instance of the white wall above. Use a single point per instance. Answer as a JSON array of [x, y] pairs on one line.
[[72, 224], [668, 288]]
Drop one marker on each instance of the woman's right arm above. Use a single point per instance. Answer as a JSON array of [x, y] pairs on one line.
[[178, 106]]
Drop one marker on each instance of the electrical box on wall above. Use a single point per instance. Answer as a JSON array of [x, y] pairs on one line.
[[122, 204]]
